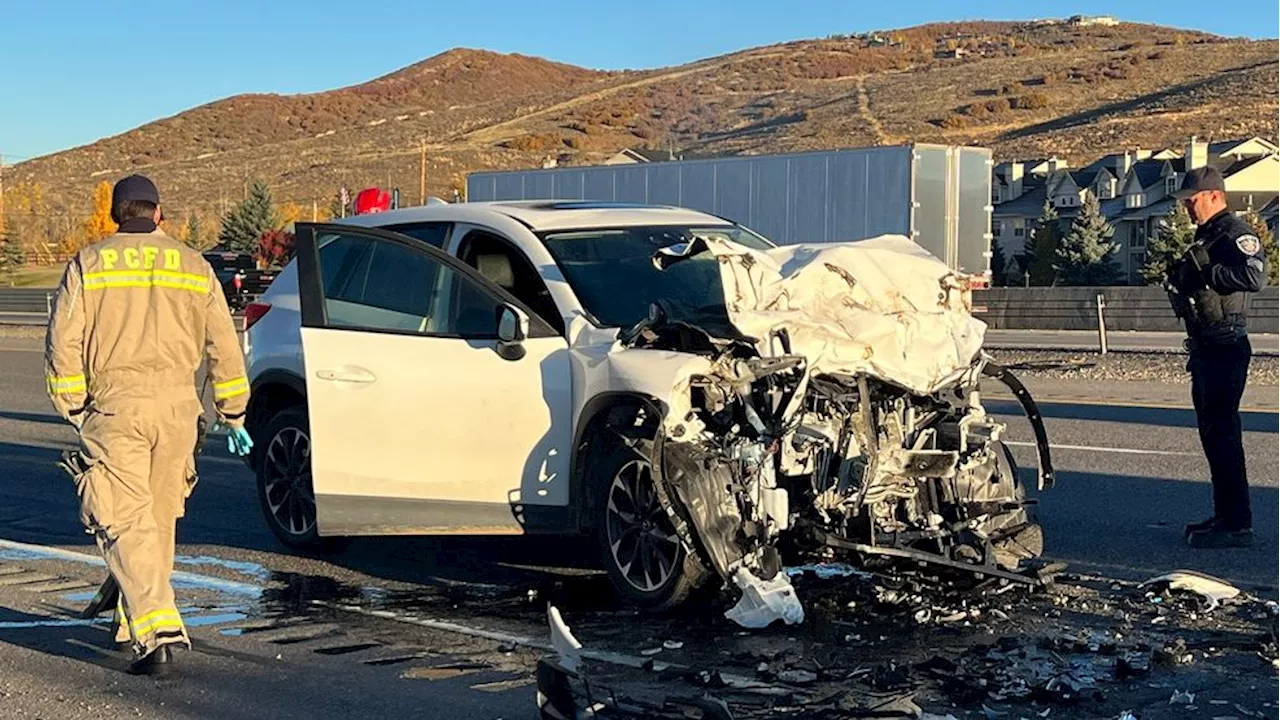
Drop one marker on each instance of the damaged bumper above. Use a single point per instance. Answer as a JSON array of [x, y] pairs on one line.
[[849, 424]]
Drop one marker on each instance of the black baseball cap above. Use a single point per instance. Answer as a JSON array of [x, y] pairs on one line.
[[1199, 180], [135, 187]]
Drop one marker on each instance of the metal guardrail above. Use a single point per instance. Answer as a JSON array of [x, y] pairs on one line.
[[26, 300]]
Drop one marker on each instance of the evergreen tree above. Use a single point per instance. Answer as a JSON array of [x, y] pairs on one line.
[[246, 222], [1268, 244], [1040, 248], [192, 233], [1168, 245], [1085, 255], [12, 257], [999, 265]]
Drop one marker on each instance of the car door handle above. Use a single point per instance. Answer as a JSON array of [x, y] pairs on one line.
[[347, 375]]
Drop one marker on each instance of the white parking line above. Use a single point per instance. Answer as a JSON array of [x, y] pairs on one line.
[[1093, 448], [203, 582]]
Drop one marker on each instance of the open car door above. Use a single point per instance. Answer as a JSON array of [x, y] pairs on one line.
[[437, 403]]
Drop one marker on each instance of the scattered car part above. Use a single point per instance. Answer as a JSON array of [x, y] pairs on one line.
[[1212, 590]]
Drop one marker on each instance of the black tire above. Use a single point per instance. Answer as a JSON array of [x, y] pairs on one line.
[[283, 468], [638, 545]]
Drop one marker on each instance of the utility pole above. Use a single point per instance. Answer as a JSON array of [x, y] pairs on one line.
[[1, 195], [422, 174]]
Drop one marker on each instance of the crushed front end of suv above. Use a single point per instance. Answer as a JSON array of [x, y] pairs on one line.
[[828, 411]]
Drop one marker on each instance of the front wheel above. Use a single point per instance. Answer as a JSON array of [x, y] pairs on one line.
[[638, 544], [285, 491], [1016, 535]]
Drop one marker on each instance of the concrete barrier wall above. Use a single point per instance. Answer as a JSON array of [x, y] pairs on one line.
[[1127, 308]]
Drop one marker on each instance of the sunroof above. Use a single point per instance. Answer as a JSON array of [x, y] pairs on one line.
[[589, 205]]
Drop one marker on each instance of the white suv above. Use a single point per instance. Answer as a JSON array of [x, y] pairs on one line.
[[507, 368]]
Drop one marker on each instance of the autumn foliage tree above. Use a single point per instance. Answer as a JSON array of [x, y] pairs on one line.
[[274, 248], [99, 224]]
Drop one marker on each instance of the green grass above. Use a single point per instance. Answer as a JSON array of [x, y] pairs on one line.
[[35, 277]]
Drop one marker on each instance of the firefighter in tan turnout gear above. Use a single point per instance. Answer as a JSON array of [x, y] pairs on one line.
[[133, 319]]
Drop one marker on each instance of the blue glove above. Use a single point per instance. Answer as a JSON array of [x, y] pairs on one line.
[[239, 442]]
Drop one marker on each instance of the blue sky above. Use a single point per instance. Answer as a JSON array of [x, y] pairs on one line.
[[78, 70]]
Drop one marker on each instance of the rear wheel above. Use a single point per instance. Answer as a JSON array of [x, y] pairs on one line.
[[638, 544], [285, 491]]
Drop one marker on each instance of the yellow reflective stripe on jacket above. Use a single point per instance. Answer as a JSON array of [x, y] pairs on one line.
[[230, 388], [66, 384], [162, 618], [145, 279]]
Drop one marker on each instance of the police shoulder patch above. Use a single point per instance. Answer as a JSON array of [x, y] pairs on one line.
[[1249, 244]]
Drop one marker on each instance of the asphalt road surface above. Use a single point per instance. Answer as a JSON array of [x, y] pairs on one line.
[[392, 627]]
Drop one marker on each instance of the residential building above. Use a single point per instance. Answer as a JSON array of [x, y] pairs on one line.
[[1133, 188], [1088, 20], [641, 155]]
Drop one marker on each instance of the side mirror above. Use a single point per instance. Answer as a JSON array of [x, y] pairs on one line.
[[513, 328]]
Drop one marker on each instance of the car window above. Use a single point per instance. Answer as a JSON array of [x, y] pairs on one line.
[[375, 284], [434, 234], [344, 267], [516, 275]]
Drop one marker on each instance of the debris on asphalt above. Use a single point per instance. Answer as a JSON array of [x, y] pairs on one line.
[[1081, 648], [764, 601], [828, 571], [563, 641], [1211, 590], [672, 645], [797, 677]]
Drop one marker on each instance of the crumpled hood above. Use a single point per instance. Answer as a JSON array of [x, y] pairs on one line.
[[883, 306]]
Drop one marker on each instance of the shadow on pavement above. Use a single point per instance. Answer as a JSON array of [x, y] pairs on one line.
[[1132, 527], [1250, 421], [65, 637], [32, 417]]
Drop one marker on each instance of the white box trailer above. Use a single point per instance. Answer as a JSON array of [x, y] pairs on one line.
[[938, 195]]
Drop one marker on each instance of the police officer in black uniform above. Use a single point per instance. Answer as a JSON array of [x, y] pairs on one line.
[[1211, 286]]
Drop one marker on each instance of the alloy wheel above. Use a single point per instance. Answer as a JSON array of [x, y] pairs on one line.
[[641, 538], [287, 481]]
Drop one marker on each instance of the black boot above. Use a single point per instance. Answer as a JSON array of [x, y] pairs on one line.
[[155, 663], [1200, 527], [1220, 537]]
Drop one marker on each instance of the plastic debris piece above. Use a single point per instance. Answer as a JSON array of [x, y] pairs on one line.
[[1127, 715], [1181, 697], [764, 601], [1213, 590], [797, 677], [650, 652], [826, 571], [563, 641], [672, 645]]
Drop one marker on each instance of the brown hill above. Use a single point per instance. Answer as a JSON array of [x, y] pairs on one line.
[[1020, 88]]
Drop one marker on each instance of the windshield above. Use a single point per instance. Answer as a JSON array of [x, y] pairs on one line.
[[612, 272]]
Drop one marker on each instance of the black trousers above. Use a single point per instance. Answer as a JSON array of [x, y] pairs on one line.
[[1218, 372]]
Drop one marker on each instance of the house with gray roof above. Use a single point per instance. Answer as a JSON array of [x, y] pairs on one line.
[[1134, 189]]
